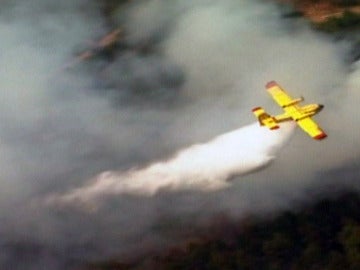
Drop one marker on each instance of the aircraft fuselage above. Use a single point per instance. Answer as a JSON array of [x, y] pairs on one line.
[[298, 112]]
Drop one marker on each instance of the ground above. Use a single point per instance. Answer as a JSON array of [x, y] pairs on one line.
[[321, 10]]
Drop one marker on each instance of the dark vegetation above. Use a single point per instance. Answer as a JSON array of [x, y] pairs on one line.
[[326, 15], [346, 3], [325, 235], [109, 6], [343, 3], [347, 20]]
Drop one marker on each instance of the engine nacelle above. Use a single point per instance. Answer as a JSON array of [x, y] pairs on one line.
[[312, 109]]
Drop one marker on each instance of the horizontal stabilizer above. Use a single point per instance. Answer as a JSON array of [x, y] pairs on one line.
[[265, 119]]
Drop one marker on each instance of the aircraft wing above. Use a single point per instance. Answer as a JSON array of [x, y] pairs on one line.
[[311, 128], [278, 94]]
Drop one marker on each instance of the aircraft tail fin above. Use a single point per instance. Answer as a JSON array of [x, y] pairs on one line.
[[265, 119]]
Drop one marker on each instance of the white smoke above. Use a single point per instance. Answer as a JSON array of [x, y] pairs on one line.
[[206, 68], [204, 167], [229, 52]]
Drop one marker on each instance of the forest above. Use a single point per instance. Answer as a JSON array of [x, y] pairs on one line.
[[322, 235]]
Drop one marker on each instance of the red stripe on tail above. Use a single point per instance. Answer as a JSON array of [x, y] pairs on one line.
[[255, 109]]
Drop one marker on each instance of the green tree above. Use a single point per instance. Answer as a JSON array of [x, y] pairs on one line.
[[349, 237]]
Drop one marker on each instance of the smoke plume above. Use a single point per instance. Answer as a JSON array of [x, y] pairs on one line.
[[188, 71], [203, 167]]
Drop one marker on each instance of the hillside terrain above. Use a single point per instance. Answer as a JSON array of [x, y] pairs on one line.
[[326, 15], [324, 235], [319, 11], [315, 10]]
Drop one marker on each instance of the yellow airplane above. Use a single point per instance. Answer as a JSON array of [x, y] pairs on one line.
[[300, 114]]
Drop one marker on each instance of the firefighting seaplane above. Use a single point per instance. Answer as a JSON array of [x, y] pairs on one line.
[[293, 112]]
